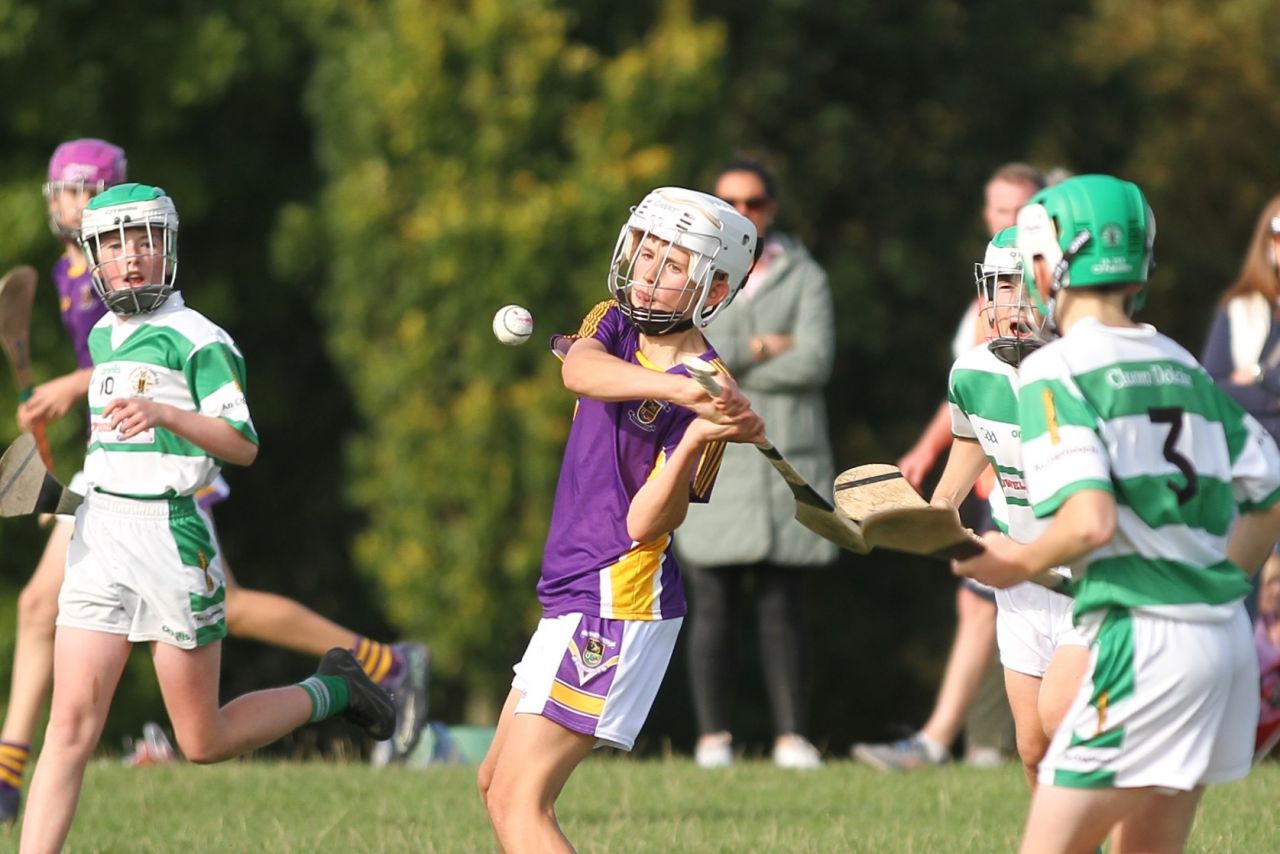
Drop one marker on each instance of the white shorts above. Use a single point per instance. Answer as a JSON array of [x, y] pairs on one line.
[[1031, 623], [595, 676], [1166, 703], [146, 569]]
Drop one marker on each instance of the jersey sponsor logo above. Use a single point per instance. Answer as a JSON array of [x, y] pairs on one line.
[[1150, 376], [644, 415], [1058, 455], [1012, 482]]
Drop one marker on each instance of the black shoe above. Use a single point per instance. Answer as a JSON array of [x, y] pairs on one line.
[[409, 695], [10, 804], [368, 706]]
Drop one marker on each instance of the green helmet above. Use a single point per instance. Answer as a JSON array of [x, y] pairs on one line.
[[1093, 230], [106, 219]]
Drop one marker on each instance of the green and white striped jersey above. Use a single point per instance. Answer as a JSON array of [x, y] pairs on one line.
[[1128, 411], [983, 395], [173, 355]]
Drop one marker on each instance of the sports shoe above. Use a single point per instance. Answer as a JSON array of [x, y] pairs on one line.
[[796, 751], [10, 804], [368, 706], [909, 754], [409, 695], [714, 750]]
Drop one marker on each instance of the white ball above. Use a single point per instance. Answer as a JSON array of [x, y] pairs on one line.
[[513, 324]]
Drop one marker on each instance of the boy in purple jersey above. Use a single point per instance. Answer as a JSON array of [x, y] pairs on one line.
[[646, 440]]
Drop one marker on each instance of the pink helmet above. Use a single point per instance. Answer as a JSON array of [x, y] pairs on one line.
[[87, 165], [92, 161]]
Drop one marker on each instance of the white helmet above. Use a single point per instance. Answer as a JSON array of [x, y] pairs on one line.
[[1015, 326], [719, 240], [128, 206]]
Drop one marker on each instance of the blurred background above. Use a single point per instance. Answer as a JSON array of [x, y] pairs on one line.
[[363, 183]]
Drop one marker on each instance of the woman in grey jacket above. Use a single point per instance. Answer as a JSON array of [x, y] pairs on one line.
[[778, 340]]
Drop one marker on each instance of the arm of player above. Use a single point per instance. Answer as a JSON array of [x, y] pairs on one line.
[[1085, 521], [965, 462], [917, 462], [589, 370], [1252, 538], [51, 400], [659, 507], [131, 415]]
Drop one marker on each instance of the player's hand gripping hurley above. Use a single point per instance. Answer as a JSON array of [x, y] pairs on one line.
[[812, 510], [17, 292]]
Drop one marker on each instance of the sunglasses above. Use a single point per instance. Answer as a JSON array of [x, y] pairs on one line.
[[755, 203]]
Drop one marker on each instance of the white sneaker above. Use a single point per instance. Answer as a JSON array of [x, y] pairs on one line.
[[796, 751], [714, 750]]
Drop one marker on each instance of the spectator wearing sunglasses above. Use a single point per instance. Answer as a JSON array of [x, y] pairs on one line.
[[1242, 351], [778, 340]]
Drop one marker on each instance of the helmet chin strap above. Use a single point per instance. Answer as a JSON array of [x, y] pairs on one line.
[[1059, 277]]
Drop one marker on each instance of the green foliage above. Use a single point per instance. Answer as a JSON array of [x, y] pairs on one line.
[[476, 156]]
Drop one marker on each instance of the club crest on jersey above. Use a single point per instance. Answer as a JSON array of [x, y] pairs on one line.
[[644, 415], [142, 381], [595, 656]]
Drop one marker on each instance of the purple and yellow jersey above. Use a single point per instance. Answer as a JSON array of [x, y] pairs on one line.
[[79, 305], [590, 564]]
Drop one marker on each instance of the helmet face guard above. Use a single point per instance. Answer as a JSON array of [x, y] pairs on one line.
[[1015, 325], [669, 255], [81, 169], [660, 286], [131, 224]]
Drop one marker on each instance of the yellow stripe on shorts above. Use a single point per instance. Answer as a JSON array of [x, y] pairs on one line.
[[579, 701]]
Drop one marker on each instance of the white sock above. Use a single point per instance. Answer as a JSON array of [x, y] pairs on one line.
[[937, 752]]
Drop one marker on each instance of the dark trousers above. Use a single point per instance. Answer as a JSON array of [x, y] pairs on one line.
[[713, 643]]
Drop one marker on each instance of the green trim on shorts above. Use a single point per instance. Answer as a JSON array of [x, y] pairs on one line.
[[195, 546], [1085, 779], [209, 634], [1113, 680], [1112, 675]]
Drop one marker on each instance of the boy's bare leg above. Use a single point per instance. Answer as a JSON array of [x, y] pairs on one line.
[[1024, 701], [33, 650], [280, 621], [1061, 683], [1161, 823], [970, 653], [87, 667], [1075, 821], [526, 769], [208, 733]]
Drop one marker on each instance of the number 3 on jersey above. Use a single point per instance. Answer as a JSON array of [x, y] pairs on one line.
[[1172, 415]]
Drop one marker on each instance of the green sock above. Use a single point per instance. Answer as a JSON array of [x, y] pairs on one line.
[[328, 695]]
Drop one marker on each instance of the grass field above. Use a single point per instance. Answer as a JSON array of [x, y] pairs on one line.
[[611, 804]]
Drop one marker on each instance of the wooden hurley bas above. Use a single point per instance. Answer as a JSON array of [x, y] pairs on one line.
[[27, 488]]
